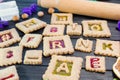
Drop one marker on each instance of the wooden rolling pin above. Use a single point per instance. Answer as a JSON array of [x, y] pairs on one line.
[[85, 7]]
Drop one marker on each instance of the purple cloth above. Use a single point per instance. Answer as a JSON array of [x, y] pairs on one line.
[[33, 7], [30, 10], [118, 25], [27, 10], [3, 24]]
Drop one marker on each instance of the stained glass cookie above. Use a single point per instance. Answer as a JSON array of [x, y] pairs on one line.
[[116, 67], [31, 40], [62, 18], [95, 63], [11, 55], [57, 45], [33, 57], [9, 73], [9, 37], [107, 48], [63, 68], [54, 30], [84, 45], [96, 28], [31, 25], [74, 29]]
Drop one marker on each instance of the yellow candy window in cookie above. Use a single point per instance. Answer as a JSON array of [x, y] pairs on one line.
[[62, 18], [63, 68], [95, 27], [30, 23], [105, 46]]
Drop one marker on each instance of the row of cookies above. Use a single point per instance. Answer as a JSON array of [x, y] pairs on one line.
[[63, 45], [69, 68], [59, 44], [91, 28], [61, 67], [13, 55]]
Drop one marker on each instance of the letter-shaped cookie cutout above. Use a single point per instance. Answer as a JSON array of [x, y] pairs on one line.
[[84, 43], [95, 62], [105, 46], [63, 67]]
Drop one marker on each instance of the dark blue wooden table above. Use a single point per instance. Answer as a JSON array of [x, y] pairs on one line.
[[29, 72]]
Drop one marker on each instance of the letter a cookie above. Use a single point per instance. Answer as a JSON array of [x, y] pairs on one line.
[[63, 68]]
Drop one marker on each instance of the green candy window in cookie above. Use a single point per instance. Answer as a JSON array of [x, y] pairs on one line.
[[95, 27], [57, 44], [5, 37], [105, 46], [63, 68], [62, 18], [30, 23]]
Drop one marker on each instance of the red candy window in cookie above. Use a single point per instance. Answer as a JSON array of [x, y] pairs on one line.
[[9, 54], [95, 62], [53, 29], [7, 77], [5, 37], [57, 44], [30, 39]]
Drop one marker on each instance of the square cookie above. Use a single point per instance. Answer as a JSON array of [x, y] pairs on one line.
[[95, 63], [63, 68], [54, 30], [57, 45], [9, 37], [116, 67], [62, 18], [11, 55], [31, 25], [33, 57], [84, 45], [96, 28], [74, 29], [108, 48], [31, 40], [9, 73]]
